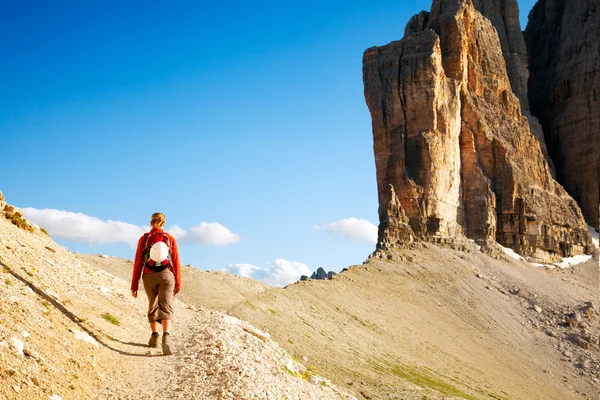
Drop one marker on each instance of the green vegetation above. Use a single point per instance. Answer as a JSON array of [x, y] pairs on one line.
[[418, 376], [44, 231], [31, 272], [305, 375], [8, 281], [249, 304], [111, 318], [286, 369], [272, 311], [309, 372], [18, 220], [305, 322]]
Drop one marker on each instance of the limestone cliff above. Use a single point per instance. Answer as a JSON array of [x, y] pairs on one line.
[[564, 56], [451, 138]]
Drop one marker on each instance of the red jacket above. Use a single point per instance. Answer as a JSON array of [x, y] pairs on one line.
[[137, 264]]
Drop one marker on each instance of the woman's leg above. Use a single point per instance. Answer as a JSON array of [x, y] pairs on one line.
[[165, 308], [166, 325], [151, 288]]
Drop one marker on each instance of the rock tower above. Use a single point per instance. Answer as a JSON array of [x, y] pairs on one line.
[[456, 150], [564, 57]]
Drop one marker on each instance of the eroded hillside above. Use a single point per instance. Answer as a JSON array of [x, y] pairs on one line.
[[440, 323]]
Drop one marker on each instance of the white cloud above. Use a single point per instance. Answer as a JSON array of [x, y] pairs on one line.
[[356, 230], [281, 272], [79, 227], [245, 270], [213, 233], [277, 273], [177, 232]]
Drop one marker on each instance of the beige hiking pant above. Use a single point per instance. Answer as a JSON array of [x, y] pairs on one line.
[[159, 287]]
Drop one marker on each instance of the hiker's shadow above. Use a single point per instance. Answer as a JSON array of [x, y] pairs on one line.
[[74, 318], [131, 343]]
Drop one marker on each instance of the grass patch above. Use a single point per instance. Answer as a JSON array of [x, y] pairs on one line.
[[305, 322], [249, 304], [290, 341], [287, 370], [309, 372], [111, 318], [44, 231], [304, 375], [272, 311], [418, 376], [18, 220], [8, 282], [46, 304]]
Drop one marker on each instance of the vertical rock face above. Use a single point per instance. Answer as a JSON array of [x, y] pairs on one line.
[[564, 56], [504, 16], [452, 143]]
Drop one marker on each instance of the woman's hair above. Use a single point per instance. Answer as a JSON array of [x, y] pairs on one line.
[[158, 220]]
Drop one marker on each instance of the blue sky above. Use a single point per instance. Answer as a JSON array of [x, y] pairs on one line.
[[244, 122]]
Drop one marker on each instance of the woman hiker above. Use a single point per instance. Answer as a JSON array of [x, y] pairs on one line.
[[157, 262]]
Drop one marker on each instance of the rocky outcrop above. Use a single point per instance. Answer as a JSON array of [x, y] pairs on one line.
[[564, 58], [320, 274], [394, 226], [453, 144], [14, 215]]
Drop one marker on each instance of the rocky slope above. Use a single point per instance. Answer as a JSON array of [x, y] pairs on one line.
[[455, 153], [430, 322], [564, 58], [69, 330]]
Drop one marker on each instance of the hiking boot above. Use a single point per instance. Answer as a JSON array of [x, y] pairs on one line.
[[166, 344], [153, 342]]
